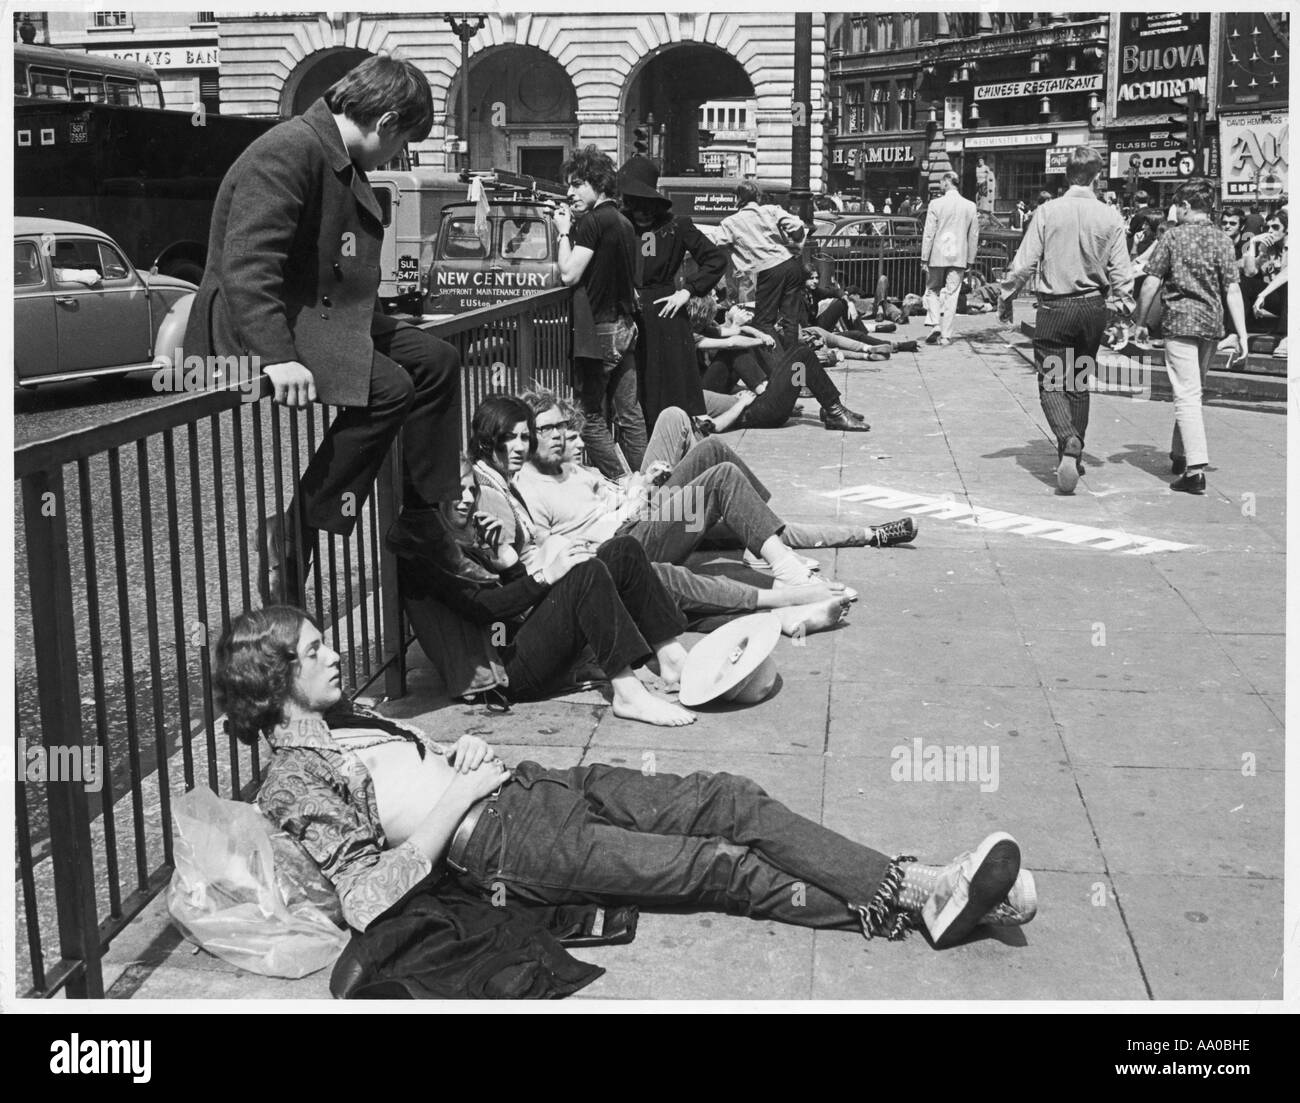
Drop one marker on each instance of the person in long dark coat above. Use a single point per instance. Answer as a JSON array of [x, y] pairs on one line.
[[291, 281], [666, 360]]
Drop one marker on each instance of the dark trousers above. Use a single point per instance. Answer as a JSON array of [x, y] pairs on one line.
[[607, 392], [414, 384], [614, 604], [1067, 336], [779, 294], [792, 369], [609, 834]]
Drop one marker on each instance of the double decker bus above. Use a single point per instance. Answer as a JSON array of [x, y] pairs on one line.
[[94, 143]]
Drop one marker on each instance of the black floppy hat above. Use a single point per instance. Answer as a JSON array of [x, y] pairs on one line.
[[638, 179]]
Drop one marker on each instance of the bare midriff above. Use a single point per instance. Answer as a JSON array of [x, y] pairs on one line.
[[407, 787]]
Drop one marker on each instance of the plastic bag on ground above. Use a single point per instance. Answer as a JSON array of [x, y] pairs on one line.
[[248, 893]]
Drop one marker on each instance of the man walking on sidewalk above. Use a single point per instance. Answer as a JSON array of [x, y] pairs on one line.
[[1074, 249], [952, 234]]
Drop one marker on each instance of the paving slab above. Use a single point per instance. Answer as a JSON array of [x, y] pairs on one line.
[[938, 656], [1186, 928], [1261, 658], [873, 718], [1157, 661], [1203, 823], [1205, 730]]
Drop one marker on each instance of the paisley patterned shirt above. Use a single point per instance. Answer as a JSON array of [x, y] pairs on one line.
[[1197, 263], [321, 794]]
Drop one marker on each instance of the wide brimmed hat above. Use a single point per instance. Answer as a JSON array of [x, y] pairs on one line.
[[639, 179], [733, 663]]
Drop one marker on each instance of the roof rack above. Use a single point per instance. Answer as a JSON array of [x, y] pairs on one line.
[[517, 185]]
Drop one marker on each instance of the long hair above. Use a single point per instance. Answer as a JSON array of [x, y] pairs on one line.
[[382, 84], [493, 421], [257, 659]]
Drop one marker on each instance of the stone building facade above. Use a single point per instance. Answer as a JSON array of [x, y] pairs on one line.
[[541, 84]]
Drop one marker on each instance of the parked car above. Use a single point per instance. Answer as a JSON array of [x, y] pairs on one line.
[[855, 249], [81, 310]]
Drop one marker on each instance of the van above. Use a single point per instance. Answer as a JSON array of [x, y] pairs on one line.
[[470, 264], [411, 202]]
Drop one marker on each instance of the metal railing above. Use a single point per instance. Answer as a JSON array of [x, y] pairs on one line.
[[860, 261], [136, 545]]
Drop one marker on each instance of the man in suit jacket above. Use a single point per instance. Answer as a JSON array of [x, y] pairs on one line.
[[291, 281], [948, 247]]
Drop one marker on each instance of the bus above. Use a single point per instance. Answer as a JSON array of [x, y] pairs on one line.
[[46, 73], [93, 144]]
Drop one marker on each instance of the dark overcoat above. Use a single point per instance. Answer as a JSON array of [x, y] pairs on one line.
[[293, 259]]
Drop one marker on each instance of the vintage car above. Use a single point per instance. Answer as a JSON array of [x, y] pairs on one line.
[[81, 310], [855, 249]]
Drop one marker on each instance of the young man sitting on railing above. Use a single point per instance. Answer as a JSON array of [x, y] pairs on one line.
[[292, 278], [382, 809]]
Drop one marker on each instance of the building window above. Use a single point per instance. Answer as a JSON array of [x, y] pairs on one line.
[[210, 93], [111, 19], [207, 17], [854, 110], [906, 114], [1020, 175], [879, 108]]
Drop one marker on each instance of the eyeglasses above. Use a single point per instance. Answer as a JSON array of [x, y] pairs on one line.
[[554, 427]]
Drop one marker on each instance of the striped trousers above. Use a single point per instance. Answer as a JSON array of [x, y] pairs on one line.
[[1067, 335]]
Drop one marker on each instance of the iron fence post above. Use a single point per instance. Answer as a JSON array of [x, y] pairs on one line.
[[54, 639], [388, 503], [527, 350]]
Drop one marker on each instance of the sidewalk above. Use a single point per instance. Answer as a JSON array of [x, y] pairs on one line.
[[1121, 652]]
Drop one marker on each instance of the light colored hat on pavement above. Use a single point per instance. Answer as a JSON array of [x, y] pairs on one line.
[[733, 663]]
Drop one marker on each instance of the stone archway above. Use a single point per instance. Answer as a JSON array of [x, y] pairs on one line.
[[670, 86], [523, 111], [314, 74]]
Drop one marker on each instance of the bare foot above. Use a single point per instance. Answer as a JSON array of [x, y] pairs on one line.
[[650, 709], [837, 589], [671, 661], [803, 619], [781, 595]]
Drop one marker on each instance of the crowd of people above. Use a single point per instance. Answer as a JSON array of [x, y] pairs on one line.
[[558, 549], [537, 551]]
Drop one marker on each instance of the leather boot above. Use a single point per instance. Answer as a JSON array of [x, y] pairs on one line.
[[839, 419], [423, 535]]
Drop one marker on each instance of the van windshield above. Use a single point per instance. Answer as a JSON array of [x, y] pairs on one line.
[[462, 241], [524, 239]]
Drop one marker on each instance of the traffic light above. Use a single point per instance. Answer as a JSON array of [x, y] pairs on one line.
[[1189, 127]]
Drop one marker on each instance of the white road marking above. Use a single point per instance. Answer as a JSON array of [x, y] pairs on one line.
[[996, 520]]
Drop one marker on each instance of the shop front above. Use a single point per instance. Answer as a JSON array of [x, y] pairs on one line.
[[885, 169], [1000, 168]]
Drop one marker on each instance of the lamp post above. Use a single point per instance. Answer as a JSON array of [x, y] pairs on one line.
[[462, 27], [801, 138]]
